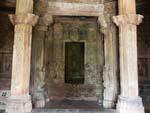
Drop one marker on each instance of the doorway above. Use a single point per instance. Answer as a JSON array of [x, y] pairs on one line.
[[74, 62]]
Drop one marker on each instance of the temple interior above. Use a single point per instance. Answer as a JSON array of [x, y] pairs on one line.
[[75, 56]]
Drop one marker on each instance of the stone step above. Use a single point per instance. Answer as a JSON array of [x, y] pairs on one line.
[[73, 111]]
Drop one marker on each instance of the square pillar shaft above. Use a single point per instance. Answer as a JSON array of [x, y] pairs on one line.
[[129, 100], [23, 20]]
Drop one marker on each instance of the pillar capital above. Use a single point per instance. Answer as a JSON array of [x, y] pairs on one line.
[[29, 18], [134, 19]]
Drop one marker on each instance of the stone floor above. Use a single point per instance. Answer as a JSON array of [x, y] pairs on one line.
[[71, 111], [69, 106], [72, 104]]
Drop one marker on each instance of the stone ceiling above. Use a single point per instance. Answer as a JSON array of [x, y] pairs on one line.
[[8, 4]]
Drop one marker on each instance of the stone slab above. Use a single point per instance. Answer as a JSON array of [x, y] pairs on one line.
[[75, 9]]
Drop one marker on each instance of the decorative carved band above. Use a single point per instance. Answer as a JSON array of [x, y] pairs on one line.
[[30, 19], [128, 19]]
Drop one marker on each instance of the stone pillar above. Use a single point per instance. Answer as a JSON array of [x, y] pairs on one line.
[[38, 72], [127, 20], [20, 100], [110, 67], [58, 56], [38, 66]]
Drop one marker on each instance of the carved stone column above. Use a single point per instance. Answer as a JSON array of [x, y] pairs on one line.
[[38, 66], [20, 100], [110, 67], [39, 94], [129, 100]]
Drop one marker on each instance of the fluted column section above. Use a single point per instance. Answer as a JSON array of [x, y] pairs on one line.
[[23, 20], [127, 21]]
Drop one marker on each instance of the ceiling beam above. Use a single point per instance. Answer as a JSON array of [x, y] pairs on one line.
[[7, 6]]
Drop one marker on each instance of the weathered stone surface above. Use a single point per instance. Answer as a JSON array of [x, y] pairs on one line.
[[55, 57], [109, 70], [110, 81], [20, 100], [75, 9], [38, 68], [129, 100], [55, 65]]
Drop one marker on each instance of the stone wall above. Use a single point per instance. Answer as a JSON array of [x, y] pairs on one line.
[[144, 55], [73, 30], [6, 49]]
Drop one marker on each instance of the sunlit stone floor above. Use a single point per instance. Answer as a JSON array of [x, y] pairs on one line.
[[70, 106]]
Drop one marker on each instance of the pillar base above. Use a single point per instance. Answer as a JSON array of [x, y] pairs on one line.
[[108, 104], [130, 105], [19, 104], [39, 99]]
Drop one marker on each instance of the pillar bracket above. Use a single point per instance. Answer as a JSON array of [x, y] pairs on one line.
[[128, 19], [29, 18]]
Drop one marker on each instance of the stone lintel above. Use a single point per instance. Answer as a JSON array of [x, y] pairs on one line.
[[134, 19], [75, 9], [29, 18]]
